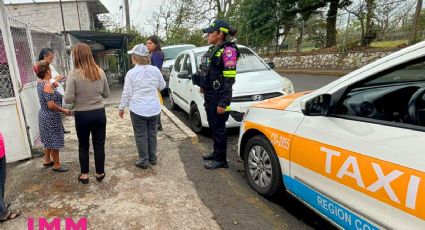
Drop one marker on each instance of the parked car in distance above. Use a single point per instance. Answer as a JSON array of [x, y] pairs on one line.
[[170, 55]]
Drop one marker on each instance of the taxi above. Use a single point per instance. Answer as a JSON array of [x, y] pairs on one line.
[[353, 150]]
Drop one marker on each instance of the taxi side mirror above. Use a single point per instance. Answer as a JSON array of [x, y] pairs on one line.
[[317, 106]]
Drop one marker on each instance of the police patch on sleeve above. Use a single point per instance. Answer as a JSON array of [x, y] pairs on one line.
[[229, 57]]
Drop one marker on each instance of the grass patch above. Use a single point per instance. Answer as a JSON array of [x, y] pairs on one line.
[[389, 44]]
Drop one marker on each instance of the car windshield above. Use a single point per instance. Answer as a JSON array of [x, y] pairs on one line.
[[171, 53], [411, 73], [247, 62]]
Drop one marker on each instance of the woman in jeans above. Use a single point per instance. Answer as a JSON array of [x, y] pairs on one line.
[[86, 86], [141, 94], [157, 59], [5, 213]]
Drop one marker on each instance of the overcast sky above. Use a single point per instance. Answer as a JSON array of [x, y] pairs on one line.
[[140, 10]]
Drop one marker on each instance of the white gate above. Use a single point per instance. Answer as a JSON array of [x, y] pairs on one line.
[[19, 105]]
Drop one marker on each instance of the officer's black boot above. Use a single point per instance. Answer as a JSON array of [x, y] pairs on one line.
[[216, 164], [209, 157]]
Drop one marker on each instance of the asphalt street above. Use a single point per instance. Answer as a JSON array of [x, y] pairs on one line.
[[234, 204]]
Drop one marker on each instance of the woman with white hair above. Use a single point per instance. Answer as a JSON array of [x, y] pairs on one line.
[[140, 94]]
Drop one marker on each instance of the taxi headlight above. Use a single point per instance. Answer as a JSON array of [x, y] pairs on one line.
[[288, 88]]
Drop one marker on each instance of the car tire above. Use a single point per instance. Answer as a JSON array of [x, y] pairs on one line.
[[173, 104], [264, 173], [195, 119]]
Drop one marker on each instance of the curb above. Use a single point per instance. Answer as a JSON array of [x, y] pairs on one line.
[[186, 130], [331, 73]]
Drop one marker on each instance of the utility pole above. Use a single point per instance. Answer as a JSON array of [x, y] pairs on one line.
[[63, 21], [78, 13], [127, 15]]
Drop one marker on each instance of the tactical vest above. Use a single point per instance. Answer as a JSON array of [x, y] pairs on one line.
[[212, 65]]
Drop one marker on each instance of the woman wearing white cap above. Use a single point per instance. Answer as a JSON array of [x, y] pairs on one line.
[[140, 94]]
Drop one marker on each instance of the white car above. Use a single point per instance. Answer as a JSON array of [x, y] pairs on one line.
[[170, 55], [352, 150], [255, 81]]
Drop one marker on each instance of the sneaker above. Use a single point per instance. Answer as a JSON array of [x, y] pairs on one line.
[[209, 157], [141, 165]]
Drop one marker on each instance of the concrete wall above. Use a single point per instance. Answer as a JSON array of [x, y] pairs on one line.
[[48, 15], [344, 61]]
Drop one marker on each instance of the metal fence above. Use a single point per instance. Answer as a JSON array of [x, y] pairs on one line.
[[6, 86], [28, 41], [22, 44]]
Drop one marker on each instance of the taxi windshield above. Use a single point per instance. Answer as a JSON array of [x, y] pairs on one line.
[[411, 73], [247, 62]]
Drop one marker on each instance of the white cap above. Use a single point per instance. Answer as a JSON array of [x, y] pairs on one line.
[[140, 50]]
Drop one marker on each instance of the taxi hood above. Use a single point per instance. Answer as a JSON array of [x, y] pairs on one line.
[[280, 103]]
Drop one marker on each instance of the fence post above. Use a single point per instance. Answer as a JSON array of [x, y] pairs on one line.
[[14, 71], [30, 42]]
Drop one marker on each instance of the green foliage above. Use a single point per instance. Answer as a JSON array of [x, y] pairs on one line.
[[180, 35]]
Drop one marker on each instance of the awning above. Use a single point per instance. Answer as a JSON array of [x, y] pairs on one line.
[[107, 39]]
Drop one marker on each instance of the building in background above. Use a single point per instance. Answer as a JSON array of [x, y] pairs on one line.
[[78, 14]]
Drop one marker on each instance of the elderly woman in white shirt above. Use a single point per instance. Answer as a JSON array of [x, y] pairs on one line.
[[140, 94]]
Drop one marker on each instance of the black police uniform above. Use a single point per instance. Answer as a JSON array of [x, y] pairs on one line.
[[216, 77]]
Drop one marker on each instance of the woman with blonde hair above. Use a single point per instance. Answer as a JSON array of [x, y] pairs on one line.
[[86, 86], [140, 93]]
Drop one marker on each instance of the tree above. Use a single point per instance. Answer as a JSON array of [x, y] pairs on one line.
[[364, 11], [413, 36], [390, 14], [331, 20], [177, 22]]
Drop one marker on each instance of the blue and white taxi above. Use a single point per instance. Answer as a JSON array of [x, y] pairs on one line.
[[352, 150]]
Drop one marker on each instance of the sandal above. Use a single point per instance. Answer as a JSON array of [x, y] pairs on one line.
[[100, 178], [12, 215], [83, 181], [48, 165]]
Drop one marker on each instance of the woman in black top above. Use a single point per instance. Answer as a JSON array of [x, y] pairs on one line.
[[157, 59]]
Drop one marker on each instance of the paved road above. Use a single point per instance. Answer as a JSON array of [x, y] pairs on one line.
[[303, 82], [226, 192]]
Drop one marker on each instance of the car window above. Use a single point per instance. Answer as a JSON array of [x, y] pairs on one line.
[[247, 62], [187, 64], [178, 63], [410, 73], [171, 53], [391, 96]]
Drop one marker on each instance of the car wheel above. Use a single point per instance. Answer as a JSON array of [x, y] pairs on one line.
[[173, 104], [262, 166], [195, 119]]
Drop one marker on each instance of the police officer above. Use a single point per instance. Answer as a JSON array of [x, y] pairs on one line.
[[216, 77]]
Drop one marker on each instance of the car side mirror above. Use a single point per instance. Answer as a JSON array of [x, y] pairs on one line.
[[317, 106], [184, 74], [271, 65]]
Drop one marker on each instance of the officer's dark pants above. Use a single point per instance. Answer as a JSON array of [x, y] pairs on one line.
[[217, 123]]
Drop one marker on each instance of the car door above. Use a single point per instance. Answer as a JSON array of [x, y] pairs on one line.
[[362, 163], [175, 82], [186, 82]]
